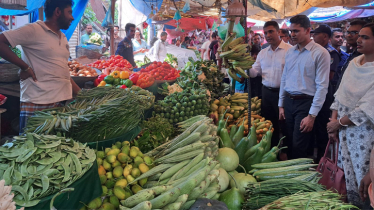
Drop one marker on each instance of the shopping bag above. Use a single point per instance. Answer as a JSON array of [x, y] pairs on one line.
[[238, 28], [108, 21], [332, 175]]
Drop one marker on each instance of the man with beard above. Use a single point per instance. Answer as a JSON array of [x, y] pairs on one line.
[[125, 47], [44, 76]]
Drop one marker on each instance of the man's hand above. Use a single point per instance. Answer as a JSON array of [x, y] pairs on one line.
[[26, 74], [333, 126], [364, 185], [306, 124], [281, 114]]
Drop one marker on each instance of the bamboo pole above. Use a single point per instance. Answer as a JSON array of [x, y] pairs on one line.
[[113, 4]]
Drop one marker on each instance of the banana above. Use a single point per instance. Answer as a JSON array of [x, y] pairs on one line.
[[240, 48], [228, 41], [227, 53], [241, 72], [233, 75], [237, 41]]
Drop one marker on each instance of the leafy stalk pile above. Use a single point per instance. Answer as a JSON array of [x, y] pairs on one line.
[[260, 194], [172, 60], [156, 131], [100, 113], [205, 74], [38, 166], [323, 200]]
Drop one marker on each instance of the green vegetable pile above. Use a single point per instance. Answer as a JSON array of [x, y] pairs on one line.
[[98, 114], [40, 165], [181, 106], [142, 63], [204, 74], [156, 131], [171, 60], [16, 51]]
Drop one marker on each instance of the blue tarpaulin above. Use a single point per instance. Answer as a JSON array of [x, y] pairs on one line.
[[33, 6], [145, 6]]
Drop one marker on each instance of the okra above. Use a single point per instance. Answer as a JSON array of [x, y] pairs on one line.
[[293, 162], [182, 157], [209, 194], [284, 175], [197, 191], [172, 170], [193, 162], [188, 140], [182, 198], [153, 171], [145, 205], [187, 205], [173, 206], [161, 200], [183, 150]]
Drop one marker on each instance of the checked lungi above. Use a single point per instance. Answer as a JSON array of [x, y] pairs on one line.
[[27, 109]]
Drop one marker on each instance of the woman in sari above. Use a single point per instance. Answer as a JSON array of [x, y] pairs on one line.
[[352, 121]]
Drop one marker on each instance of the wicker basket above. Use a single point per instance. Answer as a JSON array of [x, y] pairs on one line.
[[8, 72]]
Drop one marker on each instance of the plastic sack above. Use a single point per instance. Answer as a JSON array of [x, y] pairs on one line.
[[222, 30], [239, 30], [186, 7], [108, 21], [214, 26]]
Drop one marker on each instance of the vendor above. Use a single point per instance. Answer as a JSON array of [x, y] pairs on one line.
[[117, 38], [45, 79], [140, 46], [86, 37], [125, 47]]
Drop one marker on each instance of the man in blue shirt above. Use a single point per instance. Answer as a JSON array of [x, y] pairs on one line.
[[336, 40], [322, 36], [303, 88], [125, 47], [86, 37]]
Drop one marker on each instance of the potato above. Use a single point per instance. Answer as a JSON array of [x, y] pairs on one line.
[[81, 75]]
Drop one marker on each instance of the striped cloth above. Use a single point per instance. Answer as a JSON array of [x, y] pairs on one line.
[[27, 109]]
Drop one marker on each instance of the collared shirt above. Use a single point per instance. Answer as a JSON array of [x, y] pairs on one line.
[[306, 71], [353, 55], [125, 49], [160, 50], [47, 53], [269, 64], [116, 42], [343, 58], [334, 63]]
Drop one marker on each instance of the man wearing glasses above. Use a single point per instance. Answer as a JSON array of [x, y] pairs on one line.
[[351, 35]]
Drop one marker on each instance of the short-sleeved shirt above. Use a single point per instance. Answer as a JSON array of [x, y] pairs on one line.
[[125, 49], [84, 39], [47, 54], [137, 46], [206, 48]]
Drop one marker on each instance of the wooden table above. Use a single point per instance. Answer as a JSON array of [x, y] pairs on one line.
[[12, 89]]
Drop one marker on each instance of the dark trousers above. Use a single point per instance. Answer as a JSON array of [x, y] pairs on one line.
[[256, 87], [320, 124], [270, 110], [295, 111]]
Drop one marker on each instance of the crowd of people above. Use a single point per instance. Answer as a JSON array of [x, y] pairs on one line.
[[313, 92]]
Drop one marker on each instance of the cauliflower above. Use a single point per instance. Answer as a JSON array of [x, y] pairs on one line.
[[174, 88]]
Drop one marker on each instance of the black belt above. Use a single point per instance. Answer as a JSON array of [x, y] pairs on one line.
[[298, 97], [272, 89]]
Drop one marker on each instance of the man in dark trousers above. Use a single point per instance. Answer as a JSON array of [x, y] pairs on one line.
[[322, 36], [303, 88], [269, 65], [336, 40], [351, 35], [125, 47]]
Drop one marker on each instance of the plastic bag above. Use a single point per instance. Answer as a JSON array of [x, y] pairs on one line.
[[214, 26], [239, 30], [186, 7], [222, 30], [108, 21]]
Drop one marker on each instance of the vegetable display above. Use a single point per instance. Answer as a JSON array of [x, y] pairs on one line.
[[77, 69], [161, 71], [97, 114], [260, 194], [180, 106], [40, 165], [322, 200], [156, 131], [171, 60], [114, 60], [118, 167], [204, 74], [184, 171]]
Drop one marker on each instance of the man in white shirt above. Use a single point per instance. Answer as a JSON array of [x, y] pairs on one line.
[[45, 79], [269, 64], [160, 48], [205, 48]]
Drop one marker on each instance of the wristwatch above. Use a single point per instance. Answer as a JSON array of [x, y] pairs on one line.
[[313, 116]]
